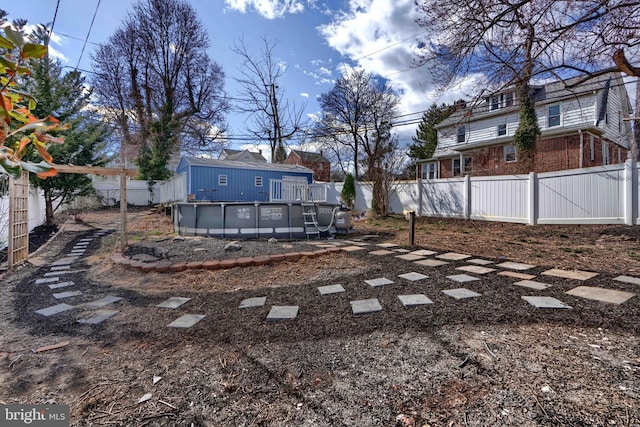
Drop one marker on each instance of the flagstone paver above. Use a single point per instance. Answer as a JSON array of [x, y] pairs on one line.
[[387, 245], [381, 252], [186, 321], [98, 317], [402, 251], [381, 281], [67, 294], [414, 300], [253, 302], [60, 267], [515, 266], [545, 302], [461, 293], [365, 306], [423, 252], [453, 256], [409, 257], [601, 294], [532, 284], [102, 302], [480, 261], [64, 261], [173, 302], [61, 285], [331, 289], [477, 269], [54, 309], [570, 274], [352, 248], [431, 262], [46, 280], [462, 278], [57, 273], [628, 279], [413, 276], [522, 276], [282, 312]]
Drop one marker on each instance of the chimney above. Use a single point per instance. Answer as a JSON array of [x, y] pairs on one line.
[[260, 151]]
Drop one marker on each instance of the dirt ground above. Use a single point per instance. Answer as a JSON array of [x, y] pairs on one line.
[[487, 361]]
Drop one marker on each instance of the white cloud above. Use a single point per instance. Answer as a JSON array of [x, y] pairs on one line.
[[269, 9], [304, 95]]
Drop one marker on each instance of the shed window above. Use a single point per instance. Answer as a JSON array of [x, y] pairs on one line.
[[222, 179], [258, 181]]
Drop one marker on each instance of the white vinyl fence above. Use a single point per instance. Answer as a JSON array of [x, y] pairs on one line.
[[36, 209], [138, 194]]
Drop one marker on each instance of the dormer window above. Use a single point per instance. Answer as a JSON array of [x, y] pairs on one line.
[[502, 100]]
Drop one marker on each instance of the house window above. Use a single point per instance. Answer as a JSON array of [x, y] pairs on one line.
[[495, 102], [502, 129], [429, 171], [222, 179], [462, 133], [605, 153], [258, 181], [508, 102], [553, 118], [467, 164], [455, 166], [510, 153]]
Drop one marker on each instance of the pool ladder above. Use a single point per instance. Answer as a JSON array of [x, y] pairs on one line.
[[310, 220]]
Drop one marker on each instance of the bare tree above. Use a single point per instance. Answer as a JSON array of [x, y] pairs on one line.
[[511, 42], [271, 114], [357, 117], [156, 80]]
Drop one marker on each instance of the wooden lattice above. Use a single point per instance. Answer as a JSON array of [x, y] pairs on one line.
[[18, 250]]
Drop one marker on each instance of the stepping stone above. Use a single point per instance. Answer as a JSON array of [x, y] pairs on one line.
[[601, 294], [102, 302], [479, 261], [628, 279], [515, 275], [47, 280], [452, 256], [253, 302], [186, 321], [381, 252], [61, 285], [60, 267], [515, 266], [462, 278], [331, 289], [54, 309], [423, 252], [382, 281], [99, 317], [570, 274], [402, 251], [477, 269], [173, 302], [409, 257], [532, 284], [352, 248], [86, 239], [68, 294], [413, 300], [431, 262], [461, 293], [413, 276], [387, 245], [361, 244], [365, 306], [57, 273], [77, 252], [282, 312], [545, 302], [64, 261]]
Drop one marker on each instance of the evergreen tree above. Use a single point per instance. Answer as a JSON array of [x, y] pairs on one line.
[[425, 141]]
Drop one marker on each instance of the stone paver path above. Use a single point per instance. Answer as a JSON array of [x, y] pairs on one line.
[[282, 312], [570, 274], [431, 262], [461, 293], [462, 278], [545, 302], [628, 279], [480, 261], [352, 248], [515, 275], [103, 302], [409, 257], [186, 321], [253, 302], [453, 256], [54, 309], [476, 269], [515, 266], [67, 294], [423, 252], [173, 302], [532, 284], [413, 276], [98, 317], [387, 245], [381, 252], [331, 289], [414, 300], [382, 281], [366, 306], [60, 285], [601, 294]]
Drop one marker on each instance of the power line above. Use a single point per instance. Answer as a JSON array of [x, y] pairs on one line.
[[88, 32], [55, 15]]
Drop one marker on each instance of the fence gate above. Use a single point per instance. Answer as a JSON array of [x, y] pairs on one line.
[[18, 249]]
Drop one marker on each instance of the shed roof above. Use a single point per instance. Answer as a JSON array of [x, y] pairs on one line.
[[235, 164]]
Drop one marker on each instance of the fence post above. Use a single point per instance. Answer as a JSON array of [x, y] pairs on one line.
[[630, 191], [467, 197], [533, 198], [420, 190]]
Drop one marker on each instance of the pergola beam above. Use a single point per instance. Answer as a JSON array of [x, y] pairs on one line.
[[95, 170]]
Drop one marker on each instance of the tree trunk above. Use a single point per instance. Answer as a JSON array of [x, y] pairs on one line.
[[48, 207]]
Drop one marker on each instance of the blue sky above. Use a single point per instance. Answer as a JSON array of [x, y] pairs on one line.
[[316, 40]]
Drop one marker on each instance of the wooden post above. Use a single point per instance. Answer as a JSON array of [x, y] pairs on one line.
[[123, 210], [412, 227]]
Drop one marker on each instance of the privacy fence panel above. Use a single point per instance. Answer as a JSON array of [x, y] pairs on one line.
[[503, 198], [443, 198]]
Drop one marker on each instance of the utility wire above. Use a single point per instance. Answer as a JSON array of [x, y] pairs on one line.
[[88, 32], [55, 15]]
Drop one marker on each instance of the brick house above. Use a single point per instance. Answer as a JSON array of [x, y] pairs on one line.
[[581, 122], [316, 161]]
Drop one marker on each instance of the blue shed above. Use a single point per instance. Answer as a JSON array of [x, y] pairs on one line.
[[235, 181]]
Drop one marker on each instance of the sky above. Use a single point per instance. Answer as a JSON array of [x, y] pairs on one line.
[[316, 41]]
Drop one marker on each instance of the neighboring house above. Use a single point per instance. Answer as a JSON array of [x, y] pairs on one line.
[[235, 181], [315, 161], [242, 155], [581, 122]]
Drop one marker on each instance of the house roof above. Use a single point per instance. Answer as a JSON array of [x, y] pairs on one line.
[[307, 156], [242, 155], [236, 164]]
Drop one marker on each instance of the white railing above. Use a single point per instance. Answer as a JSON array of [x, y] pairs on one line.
[[292, 190]]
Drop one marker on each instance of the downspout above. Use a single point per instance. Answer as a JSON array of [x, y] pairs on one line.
[[581, 146]]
